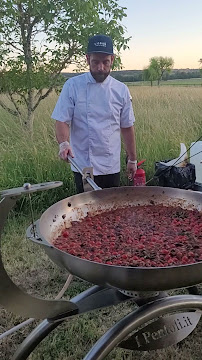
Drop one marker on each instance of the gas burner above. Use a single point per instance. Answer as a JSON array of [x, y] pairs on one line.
[[140, 294]]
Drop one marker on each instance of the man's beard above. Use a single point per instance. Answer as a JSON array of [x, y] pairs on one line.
[[99, 76]]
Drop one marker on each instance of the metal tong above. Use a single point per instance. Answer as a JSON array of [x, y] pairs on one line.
[[87, 174]]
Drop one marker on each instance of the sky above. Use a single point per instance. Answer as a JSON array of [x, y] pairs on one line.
[[163, 28]]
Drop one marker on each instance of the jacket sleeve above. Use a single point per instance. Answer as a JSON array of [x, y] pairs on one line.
[[127, 115], [64, 108]]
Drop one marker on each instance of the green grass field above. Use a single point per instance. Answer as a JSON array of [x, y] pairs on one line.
[[165, 116], [174, 82]]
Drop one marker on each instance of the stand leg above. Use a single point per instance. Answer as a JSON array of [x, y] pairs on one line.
[[33, 339], [90, 299]]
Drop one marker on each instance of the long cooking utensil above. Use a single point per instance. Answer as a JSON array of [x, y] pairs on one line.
[[87, 175]]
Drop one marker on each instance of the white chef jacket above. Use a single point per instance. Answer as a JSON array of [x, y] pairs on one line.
[[95, 112]]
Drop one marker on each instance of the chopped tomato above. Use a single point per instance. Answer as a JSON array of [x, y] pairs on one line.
[[147, 235]]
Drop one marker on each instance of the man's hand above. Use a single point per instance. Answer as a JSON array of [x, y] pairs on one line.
[[131, 168], [128, 135], [65, 149]]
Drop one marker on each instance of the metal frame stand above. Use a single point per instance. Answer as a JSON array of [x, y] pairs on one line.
[[133, 321], [169, 332], [11, 296], [94, 298]]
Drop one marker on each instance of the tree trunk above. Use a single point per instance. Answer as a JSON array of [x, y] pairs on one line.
[[30, 114], [26, 26], [30, 122]]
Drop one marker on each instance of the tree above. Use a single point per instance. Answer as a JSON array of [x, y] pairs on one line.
[[160, 65], [39, 38], [200, 62], [150, 74]]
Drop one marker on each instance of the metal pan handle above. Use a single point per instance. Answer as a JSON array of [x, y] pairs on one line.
[[88, 178]]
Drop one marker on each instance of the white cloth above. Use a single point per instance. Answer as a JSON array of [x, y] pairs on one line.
[[95, 113]]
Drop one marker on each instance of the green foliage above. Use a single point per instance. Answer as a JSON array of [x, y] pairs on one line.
[[65, 27], [158, 67], [150, 74], [192, 82], [137, 75], [200, 61], [182, 74], [161, 65], [38, 39]]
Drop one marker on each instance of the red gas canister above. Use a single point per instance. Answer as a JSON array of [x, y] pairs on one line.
[[140, 177]]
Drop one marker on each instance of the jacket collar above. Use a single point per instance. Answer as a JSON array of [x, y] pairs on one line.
[[90, 79]]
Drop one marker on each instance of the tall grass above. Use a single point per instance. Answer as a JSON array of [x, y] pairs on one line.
[[165, 117], [34, 159]]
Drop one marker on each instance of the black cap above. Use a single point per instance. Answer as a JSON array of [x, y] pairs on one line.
[[100, 44]]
